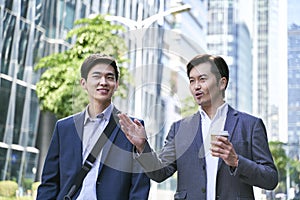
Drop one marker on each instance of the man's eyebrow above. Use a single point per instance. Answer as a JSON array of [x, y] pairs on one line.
[[199, 76]]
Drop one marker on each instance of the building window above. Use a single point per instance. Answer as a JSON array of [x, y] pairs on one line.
[[5, 94], [14, 165], [3, 152], [20, 99], [9, 27]]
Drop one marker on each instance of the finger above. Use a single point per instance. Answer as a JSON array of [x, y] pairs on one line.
[[216, 144], [215, 154], [223, 139], [126, 121], [137, 122], [123, 126], [124, 129], [223, 142], [123, 117]]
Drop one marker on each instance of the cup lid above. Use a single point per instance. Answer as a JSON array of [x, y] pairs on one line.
[[224, 133]]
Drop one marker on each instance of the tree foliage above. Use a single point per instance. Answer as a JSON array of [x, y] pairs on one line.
[[284, 162], [58, 88], [189, 106], [280, 158]]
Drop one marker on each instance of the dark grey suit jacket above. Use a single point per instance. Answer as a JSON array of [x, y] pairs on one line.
[[183, 152]]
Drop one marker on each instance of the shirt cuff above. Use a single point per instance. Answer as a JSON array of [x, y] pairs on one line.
[[136, 153], [233, 170]]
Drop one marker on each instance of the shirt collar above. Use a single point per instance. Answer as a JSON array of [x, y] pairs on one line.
[[221, 111], [106, 113]]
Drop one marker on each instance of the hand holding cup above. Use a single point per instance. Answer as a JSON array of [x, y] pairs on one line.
[[216, 134]]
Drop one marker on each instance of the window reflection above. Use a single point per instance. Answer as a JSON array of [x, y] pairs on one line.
[[5, 94], [20, 98], [3, 152], [24, 8], [14, 165], [33, 122], [25, 28], [8, 4], [30, 165], [8, 33]]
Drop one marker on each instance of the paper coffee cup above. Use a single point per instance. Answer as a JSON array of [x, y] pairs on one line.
[[214, 135]]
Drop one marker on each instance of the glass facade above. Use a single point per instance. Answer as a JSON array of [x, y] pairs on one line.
[[25, 32], [227, 37], [294, 90]]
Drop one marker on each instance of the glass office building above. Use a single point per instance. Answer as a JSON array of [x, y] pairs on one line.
[[20, 44], [229, 37], [29, 30], [294, 90]]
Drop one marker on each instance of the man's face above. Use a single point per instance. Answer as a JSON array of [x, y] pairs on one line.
[[204, 86], [101, 83]]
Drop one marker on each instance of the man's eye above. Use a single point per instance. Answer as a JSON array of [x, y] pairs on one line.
[[96, 76], [191, 80], [110, 77]]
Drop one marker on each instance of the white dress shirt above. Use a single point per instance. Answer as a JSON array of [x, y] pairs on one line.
[[91, 132], [209, 126]]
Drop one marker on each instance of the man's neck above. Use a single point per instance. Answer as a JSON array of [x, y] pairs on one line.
[[96, 108], [211, 110]]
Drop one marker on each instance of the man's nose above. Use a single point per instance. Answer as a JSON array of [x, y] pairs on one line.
[[198, 85], [102, 80]]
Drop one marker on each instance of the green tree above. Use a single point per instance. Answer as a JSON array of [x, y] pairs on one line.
[[295, 171], [189, 106], [59, 89], [284, 162], [281, 160]]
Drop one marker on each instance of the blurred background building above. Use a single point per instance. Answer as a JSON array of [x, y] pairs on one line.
[[293, 85], [259, 40]]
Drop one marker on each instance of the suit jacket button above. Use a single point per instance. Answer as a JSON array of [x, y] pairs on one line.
[[203, 190]]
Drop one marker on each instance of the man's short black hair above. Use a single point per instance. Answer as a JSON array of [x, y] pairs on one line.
[[218, 65], [97, 58]]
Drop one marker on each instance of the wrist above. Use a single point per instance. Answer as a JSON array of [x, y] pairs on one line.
[[140, 148], [236, 164]]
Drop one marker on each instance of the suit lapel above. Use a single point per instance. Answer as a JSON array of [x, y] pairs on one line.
[[230, 124], [192, 124], [196, 122], [231, 121], [78, 121]]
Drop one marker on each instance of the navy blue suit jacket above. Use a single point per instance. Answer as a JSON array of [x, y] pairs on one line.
[[184, 153], [120, 176]]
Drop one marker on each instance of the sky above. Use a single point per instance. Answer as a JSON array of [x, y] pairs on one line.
[[293, 12]]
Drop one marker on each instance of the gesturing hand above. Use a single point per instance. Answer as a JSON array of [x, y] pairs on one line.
[[134, 131]]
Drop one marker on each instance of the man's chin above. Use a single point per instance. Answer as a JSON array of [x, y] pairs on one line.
[[104, 98]]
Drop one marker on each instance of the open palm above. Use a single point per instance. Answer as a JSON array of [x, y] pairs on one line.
[[134, 131]]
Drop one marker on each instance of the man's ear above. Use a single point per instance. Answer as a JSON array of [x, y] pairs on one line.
[[117, 85], [223, 83], [83, 83]]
